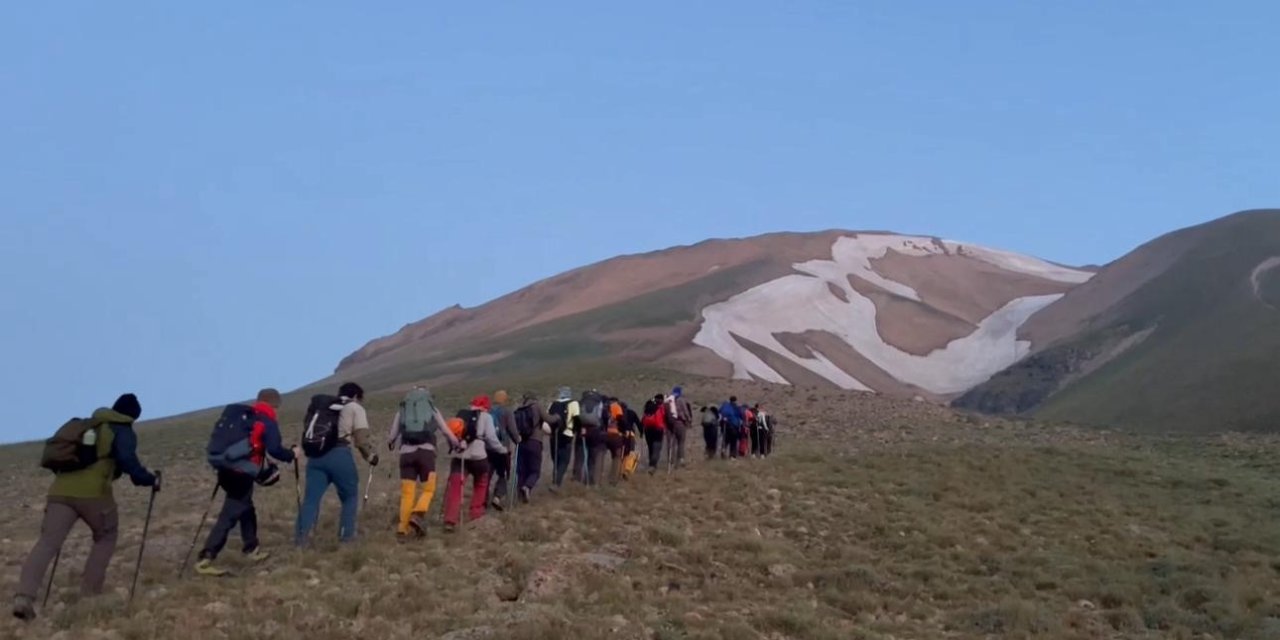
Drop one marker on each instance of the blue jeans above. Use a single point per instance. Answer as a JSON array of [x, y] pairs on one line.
[[338, 467]]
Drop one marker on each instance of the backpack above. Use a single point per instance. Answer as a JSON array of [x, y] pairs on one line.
[[74, 446], [592, 410], [470, 425], [503, 436], [525, 419], [560, 410], [672, 408], [709, 418], [321, 432], [654, 416], [418, 423], [629, 464], [230, 445]]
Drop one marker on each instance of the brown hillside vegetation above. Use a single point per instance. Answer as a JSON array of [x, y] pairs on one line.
[[876, 519]]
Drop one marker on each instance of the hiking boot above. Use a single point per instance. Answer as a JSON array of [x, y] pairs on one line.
[[496, 503], [24, 608], [205, 568], [417, 527], [525, 494], [257, 555], [450, 528]]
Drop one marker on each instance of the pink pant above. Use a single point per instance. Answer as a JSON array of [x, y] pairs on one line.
[[479, 472]]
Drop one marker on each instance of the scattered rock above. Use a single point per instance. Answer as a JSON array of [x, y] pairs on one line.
[[617, 623], [1086, 605], [217, 608], [469, 634], [782, 570], [604, 560]]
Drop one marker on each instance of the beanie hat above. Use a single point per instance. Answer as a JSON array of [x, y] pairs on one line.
[[565, 394], [269, 396], [500, 397], [128, 405], [481, 402], [677, 392]]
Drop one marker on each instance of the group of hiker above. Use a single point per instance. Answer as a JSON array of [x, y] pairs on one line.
[[498, 444]]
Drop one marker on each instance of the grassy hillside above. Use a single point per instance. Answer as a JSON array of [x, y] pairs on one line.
[[1208, 361], [877, 519]]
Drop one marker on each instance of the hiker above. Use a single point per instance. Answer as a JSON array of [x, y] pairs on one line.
[[593, 419], [470, 453], [334, 425], [711, 430], [532, 426], [679, 417], [744, 434], [504, 422], [616, 439], [87, 456], [654, 423], [630, 427], [767, 424], [259, 437], [731, 417], [563, 415], [413, 433]]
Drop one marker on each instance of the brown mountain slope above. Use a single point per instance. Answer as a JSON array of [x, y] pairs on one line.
[[900, 314]]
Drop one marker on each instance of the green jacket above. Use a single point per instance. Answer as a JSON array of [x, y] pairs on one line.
[[95, 480]]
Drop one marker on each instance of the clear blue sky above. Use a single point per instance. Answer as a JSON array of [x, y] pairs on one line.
[[203, 198]]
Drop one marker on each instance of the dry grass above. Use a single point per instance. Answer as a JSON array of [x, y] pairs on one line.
[[906, 522]]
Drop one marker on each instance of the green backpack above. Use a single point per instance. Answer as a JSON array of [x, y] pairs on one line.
[[418, 424]]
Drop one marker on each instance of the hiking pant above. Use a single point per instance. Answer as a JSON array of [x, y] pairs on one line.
[[768, 441], [755, 439], [711, 437], [679, 430], [597, 443], [237, 509], [617, 446], [731, 440], [499, 473], [562, 453], [60, 514], [416, 466], [654, 438], [458, 469], [529, 463], [337, 468], [579, 458]]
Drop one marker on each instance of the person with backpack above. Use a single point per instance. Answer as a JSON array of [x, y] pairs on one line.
[[766, 422], [655, 426], [593, 419], [679, 417], [86, 456], [530, 421], [334, 425], [630, 427], [413, 433], [470, 454], [252, 430], [615, 438], [731, 416], [504, 422], [563, 418], [711, 430]]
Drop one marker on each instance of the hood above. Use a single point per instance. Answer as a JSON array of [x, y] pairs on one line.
[[264, 409], [107, 416]]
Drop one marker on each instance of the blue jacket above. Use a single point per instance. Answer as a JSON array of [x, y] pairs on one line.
[[124, 450], [731, 414]]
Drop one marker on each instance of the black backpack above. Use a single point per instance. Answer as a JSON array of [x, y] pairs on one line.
[[229, 445], [320, 431], [710, 418], [471, 422], [525, 419]]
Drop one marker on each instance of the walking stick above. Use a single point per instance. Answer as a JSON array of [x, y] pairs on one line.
[[514, 480], [297, 485], [187, 560], [368, 485], [48, 588], [670, 446], [142, 546]]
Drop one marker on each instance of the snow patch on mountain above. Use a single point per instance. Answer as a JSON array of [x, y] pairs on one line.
[[805, 302]]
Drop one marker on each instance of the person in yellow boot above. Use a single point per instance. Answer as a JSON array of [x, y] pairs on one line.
[[413, 432]]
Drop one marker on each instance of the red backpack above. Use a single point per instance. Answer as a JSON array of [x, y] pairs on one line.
[[654, 416]]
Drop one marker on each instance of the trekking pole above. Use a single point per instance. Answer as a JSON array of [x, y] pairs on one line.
[[514, 479], [368, 485], [297, 485], [187, 560], [670, 446], [142, 546], [48, 588]]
